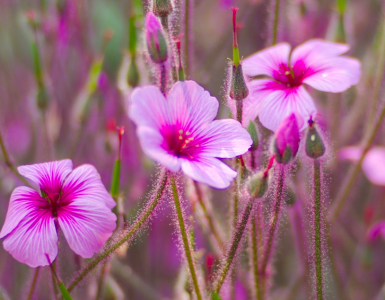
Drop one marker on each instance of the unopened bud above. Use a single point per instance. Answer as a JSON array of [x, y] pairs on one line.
[[252, 129], [133, 76], [156, 42], [257, 185], [238, 87], [291, 197], [162, 8], [315, 147], [286, 140]]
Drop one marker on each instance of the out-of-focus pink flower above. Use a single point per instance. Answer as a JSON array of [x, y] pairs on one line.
[[373, 164], [378, 229], [316, 63], [180, 132], [156, 43], [287, 139], [76, 199]]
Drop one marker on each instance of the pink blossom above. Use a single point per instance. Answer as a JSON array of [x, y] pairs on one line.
[[377, 230], [180, 133], [373, 164], [287, 138], [316, 63], [73, 200]]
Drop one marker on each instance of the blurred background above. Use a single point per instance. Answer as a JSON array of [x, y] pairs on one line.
[[65, 86]]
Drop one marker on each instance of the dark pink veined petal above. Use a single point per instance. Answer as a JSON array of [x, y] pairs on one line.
[[313, 50], [86, 225], [210, 171], [281, 102], [150, 108], [191, 106], [24, 201], [49, 176], [267, 61], [84, 183], [334, 75], [287, 135], [225, 139], [153, 145], [33, 238], [319, 65]]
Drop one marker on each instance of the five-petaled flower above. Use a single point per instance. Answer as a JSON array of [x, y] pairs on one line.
[[73, 200], [316, 63], [179, 132]]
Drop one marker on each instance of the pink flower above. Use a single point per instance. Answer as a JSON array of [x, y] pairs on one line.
[[287, 139], [316, 63], [373, 164], [73, 200], [180, 133]]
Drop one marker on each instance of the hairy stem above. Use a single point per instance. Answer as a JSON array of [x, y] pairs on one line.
[[33, 284], [163, 78], [138, 224], [255, 254], [9, 163], [100, 289], [187, 21], [208, 215], [275, 24], [185, 239], [317, 230], [274, 221], [239, 104], [234, 245]]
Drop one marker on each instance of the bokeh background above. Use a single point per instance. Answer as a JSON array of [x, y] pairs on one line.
[[80, 108]]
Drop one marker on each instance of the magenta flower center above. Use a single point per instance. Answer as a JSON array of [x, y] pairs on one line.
[[53, 202], [181, 142], [291, 76]]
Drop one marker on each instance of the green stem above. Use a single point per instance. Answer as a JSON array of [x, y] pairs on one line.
[[141, 220], [208, 215], [187, 37], [33, 285], [54, 282], [163, 78], [275, 25], [185, 238], [317, 230], [234, 245], [274, 222], [101, 281], [9, 163], [239, 105], [255, 254]]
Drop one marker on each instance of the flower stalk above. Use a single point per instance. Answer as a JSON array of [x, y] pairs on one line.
[[185, 238], [275, 24], [255, 236], [33, 284], [142, 219]]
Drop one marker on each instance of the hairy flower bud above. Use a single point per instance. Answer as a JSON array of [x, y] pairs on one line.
[[257, 185], [286, 140], [162, 8], [315, 147], [156, 41], [238, 87], [252, 129]]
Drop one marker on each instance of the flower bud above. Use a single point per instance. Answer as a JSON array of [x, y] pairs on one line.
[[133, 76], [291, 197], [257, 185], [254, 135], [162, 8], [315, 147], [156, 42], [238, 87], [286, 140]]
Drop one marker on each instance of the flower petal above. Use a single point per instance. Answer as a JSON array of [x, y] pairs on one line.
[[24, 201], [224, 138], [321, 68], [352, 153], [84, 183], [86, 225], [151, 141], [149, 108], [267, 61], [49, 176], [376, 230], [281, 101], [33, 238], [209, 171], [191, 105], [374, 165], [334, 74]]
